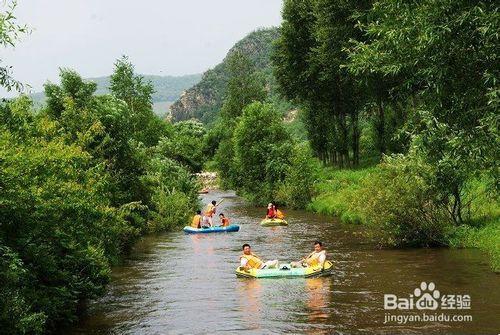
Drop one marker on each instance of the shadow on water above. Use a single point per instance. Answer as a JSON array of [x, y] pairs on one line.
[[185, 284]]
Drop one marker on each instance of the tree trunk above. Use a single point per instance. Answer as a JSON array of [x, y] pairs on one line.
[[381, 126], [344, 138], [355, 138]]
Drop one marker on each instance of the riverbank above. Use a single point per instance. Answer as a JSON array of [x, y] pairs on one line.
[[337, 192]]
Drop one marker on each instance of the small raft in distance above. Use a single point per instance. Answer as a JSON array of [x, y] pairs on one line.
[[285, 270], [216, 229], [273, 222]]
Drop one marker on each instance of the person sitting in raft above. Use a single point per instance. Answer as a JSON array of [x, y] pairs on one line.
[[278, 214], [209, 213], [317, 257], [224, 221], [271, 214], [196, 223], [249, 261]]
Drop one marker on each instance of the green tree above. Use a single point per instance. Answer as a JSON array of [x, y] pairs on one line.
[[262, 150], [77, 188], [10, 32], [245, 85], [447, 53], [297, 189], [185, 144], [57, 222], [146, 127], [309, 61], [73, 88]]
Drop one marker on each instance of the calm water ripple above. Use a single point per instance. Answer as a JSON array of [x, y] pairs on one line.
[[185, 284]]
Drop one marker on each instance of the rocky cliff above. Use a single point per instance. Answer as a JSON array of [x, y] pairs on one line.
[[203, 100]]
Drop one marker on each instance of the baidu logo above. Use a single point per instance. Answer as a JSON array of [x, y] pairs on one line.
[[426, 297]]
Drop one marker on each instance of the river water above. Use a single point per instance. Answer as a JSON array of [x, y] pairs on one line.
[[185, 284]]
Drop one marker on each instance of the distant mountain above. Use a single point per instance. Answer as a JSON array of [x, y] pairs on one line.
[[167, 89], [204, 99]]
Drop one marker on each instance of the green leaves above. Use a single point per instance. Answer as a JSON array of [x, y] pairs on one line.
[[309, 64], [10, 32], [185, 144], [80, 181], [245, 85]]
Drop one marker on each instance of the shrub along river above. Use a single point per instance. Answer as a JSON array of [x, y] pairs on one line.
[[185, 284]]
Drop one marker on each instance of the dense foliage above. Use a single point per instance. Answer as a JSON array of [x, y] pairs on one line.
[[185, 144], [244, 87], [417, 79], [254, 150], [261, 151], [80, 181], [252, 147], [10, 31]]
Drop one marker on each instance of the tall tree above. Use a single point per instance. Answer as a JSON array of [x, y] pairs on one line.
[[244, 86], [10, 31], [447, 52], [291, 67], [309, 61], [137, 94], [262, 149]]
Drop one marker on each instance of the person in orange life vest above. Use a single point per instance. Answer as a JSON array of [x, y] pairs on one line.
[[315, 258], [271, 214], [279, 214], [249, 261], [209, 213], [224, 221], [196, 223]]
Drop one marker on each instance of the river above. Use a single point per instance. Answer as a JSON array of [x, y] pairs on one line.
[[185, 284]]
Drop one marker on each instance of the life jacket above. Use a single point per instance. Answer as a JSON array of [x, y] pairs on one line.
[[196, 221], [271, 213], [313, 259], [253, 261], [279, 214], [210, 211], [225, 222]]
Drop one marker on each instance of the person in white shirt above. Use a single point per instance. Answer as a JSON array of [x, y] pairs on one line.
[[250, 261], [315, 258]]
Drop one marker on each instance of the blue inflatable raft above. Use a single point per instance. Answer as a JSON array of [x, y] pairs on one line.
[[228, 229]]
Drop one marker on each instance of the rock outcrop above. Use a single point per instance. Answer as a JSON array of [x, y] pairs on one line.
[[203, 100]]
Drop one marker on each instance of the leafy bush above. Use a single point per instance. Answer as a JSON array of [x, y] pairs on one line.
[[297, 188], [80, 181], [57, 219], [171, 208], [226, 165], [16, 314], [262, 150], [185, 144], [401, 204]]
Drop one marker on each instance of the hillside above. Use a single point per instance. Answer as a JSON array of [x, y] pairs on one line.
[[167, 89], [203, 100]]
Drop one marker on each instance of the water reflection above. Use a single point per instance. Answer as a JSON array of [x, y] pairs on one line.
[[250, 304], [185, 284], [318, 290]]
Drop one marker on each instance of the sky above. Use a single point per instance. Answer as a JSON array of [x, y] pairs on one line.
[[163, 37]]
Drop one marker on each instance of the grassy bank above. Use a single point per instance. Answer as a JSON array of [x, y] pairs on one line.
[[337, 193]]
